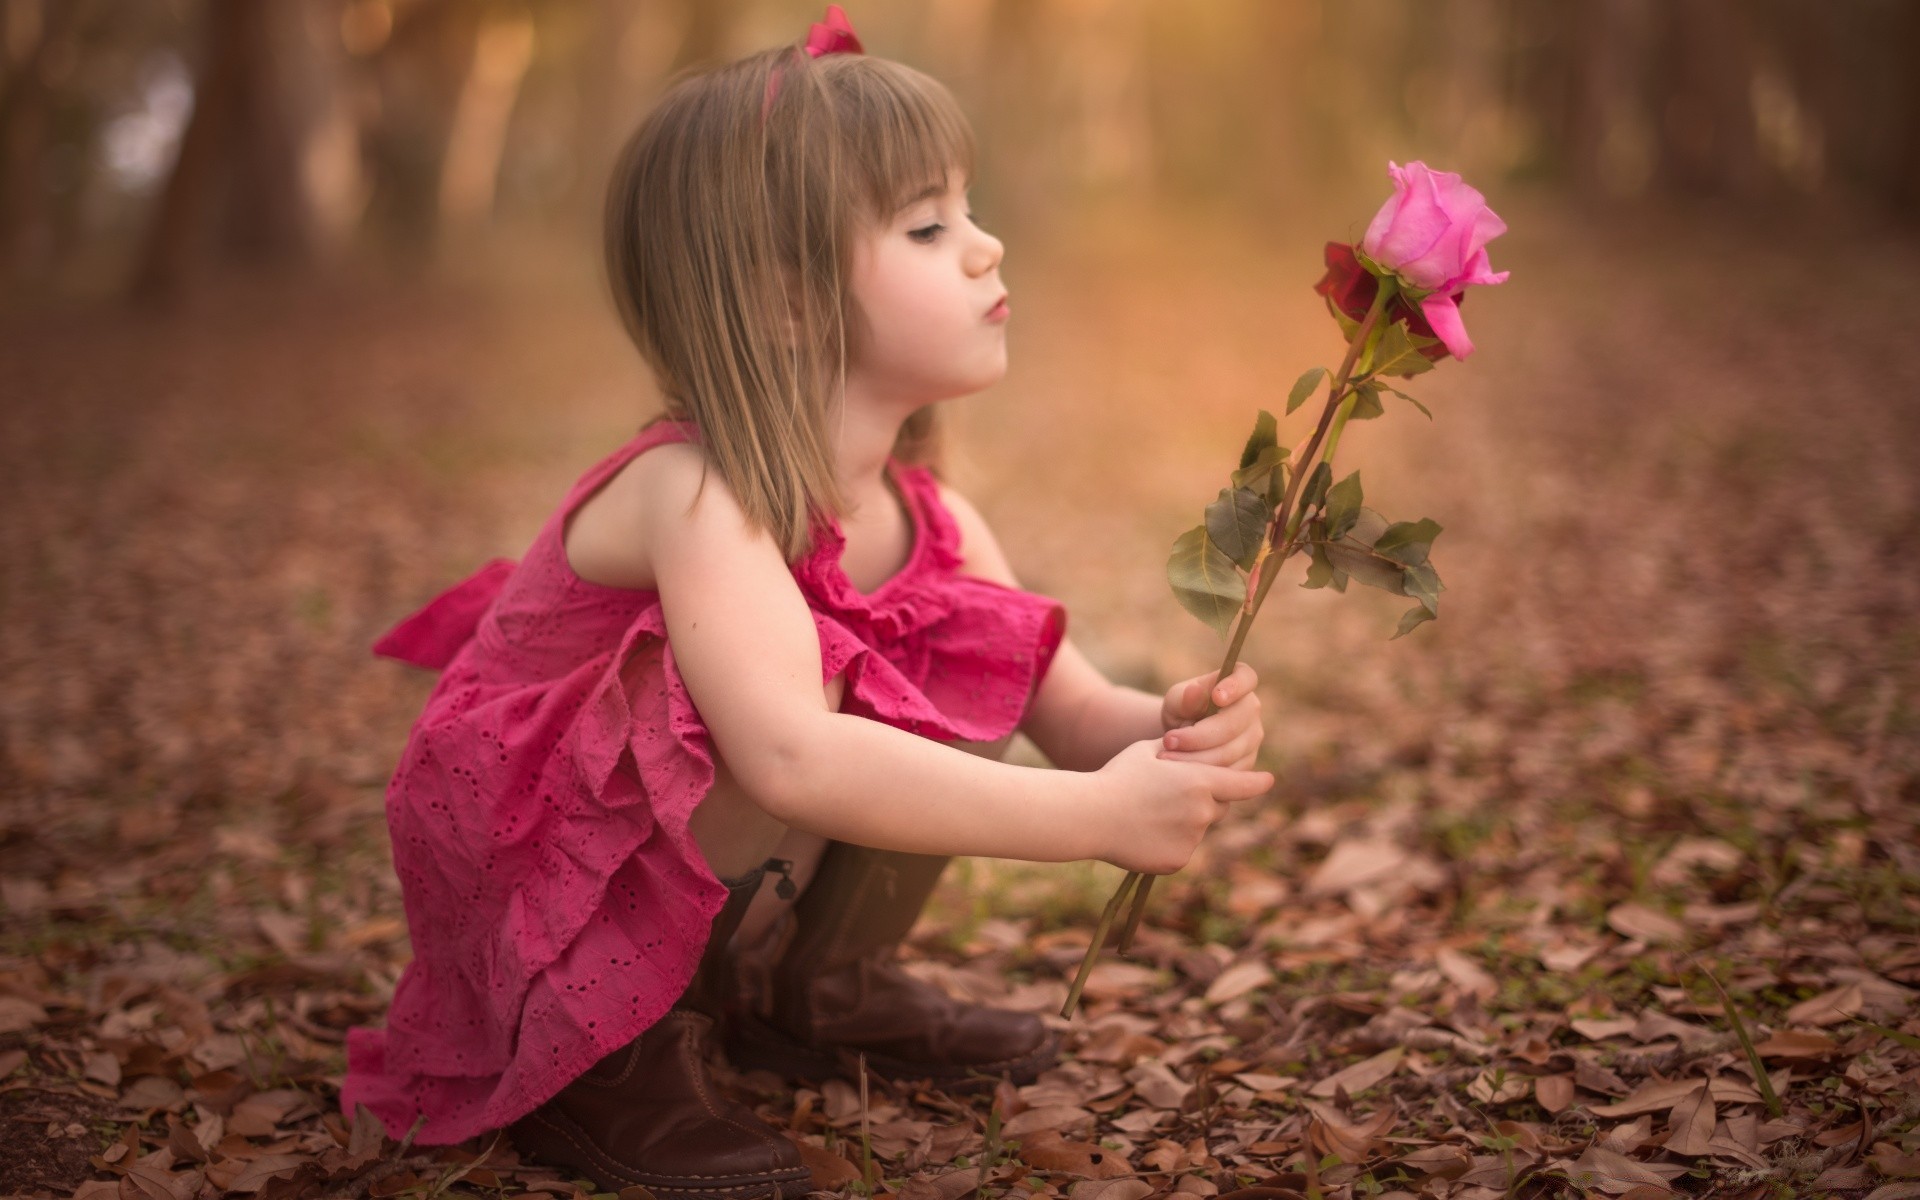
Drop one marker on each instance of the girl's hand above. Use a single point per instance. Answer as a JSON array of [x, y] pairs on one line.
[[1230, 737], [1155, 810]]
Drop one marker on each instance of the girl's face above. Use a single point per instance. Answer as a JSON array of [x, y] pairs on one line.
[[927, 283]]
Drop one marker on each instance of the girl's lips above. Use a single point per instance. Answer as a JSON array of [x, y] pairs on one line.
[[1000, 311]]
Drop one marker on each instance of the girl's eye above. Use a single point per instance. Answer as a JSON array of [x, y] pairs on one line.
[[927, 234]]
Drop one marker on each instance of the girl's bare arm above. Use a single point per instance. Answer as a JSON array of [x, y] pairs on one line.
[[745, 643]]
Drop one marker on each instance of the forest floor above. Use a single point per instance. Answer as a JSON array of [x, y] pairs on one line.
[[1659, 749]]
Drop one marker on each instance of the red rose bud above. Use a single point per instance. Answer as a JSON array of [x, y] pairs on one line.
[[1350, 288]]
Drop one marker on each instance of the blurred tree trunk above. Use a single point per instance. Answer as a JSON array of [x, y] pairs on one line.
[[1702, 82], [237, 181], [31, 33], [477, 134], [1905, 51], [420, 74], [1604, 135]]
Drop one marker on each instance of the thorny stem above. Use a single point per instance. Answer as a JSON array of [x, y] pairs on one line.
[[1281, 530]]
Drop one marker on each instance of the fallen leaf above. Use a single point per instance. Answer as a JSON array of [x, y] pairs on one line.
[[1111, 1189], [1663, 1094], [829, 1170], [950, 1185], [1061, 1117], [1048, 1151], [1158, 1085], [17, 1015], [1353, 863], [1466, 974], [1361, 1075], [1612, 1171], [1638, 921], [1692, 1123], [1795, 1043], [1239, 979], [1554, 1092], [1829, 1008]]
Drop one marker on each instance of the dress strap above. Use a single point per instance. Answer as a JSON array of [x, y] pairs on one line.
[[663, 428]]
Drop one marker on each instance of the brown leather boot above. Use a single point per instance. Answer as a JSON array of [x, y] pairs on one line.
[[828, 988], [648, 1113]]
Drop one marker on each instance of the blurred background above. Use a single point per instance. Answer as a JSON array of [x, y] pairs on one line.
[[303, 320]]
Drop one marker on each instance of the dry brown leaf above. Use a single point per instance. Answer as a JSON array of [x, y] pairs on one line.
[[949, 1185], [1239, 979], [1663, 1094], [1353, 864], [1692, 1123], [1466, 974], [1361, 1075], [1554, 1092], [1596, 1029], [1354, 1142], [1829, 1008], [158, 1183], [103, 1067], [18, 1015], [1111, 1189], [1048, 1151], [250, 1175], [1612, 1171], [1795, 1043], [1638, 921], [829, 1170], [1156, 1084], [1060, 1117]]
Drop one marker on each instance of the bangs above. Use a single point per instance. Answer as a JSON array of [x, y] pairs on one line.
[[903, 130]]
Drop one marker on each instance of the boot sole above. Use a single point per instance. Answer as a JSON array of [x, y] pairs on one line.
[[556, 1141], [754, 1044]]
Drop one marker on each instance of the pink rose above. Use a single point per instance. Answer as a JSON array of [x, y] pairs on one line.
[[1433, 234]]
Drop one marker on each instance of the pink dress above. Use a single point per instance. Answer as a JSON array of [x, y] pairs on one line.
[[556, 901]]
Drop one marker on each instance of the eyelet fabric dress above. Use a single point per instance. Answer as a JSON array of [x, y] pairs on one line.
[[556, 901]]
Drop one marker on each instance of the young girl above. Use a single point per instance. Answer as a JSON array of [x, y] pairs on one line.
[[760, 637]]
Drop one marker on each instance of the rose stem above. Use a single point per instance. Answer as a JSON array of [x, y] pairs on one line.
[[1137, 882], [1099, 936]]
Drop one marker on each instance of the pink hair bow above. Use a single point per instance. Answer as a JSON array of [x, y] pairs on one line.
[[834, 35]]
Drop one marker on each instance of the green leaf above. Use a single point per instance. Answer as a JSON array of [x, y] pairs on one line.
[[1320, 571], [1417, 615], [1409, 541], [1397, 355], [1410, 400], [1366, 402], [1423, 584], [1257, 475], [1204, 580], [1265, 434], [1303, 387], [1355, 555], [1316, 486], [1237, 524], [1343, 505]]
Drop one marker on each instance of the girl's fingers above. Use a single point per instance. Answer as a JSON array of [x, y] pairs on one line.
[[1238, 751], [1215, 730], [1236, 685]]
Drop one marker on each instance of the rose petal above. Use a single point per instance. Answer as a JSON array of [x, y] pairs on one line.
[[1416, 222], [1444, 316]]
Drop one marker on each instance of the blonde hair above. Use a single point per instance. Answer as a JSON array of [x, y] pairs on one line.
[[729, 247]]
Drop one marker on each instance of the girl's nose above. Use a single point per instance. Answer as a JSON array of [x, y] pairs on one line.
[[986, 252]]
